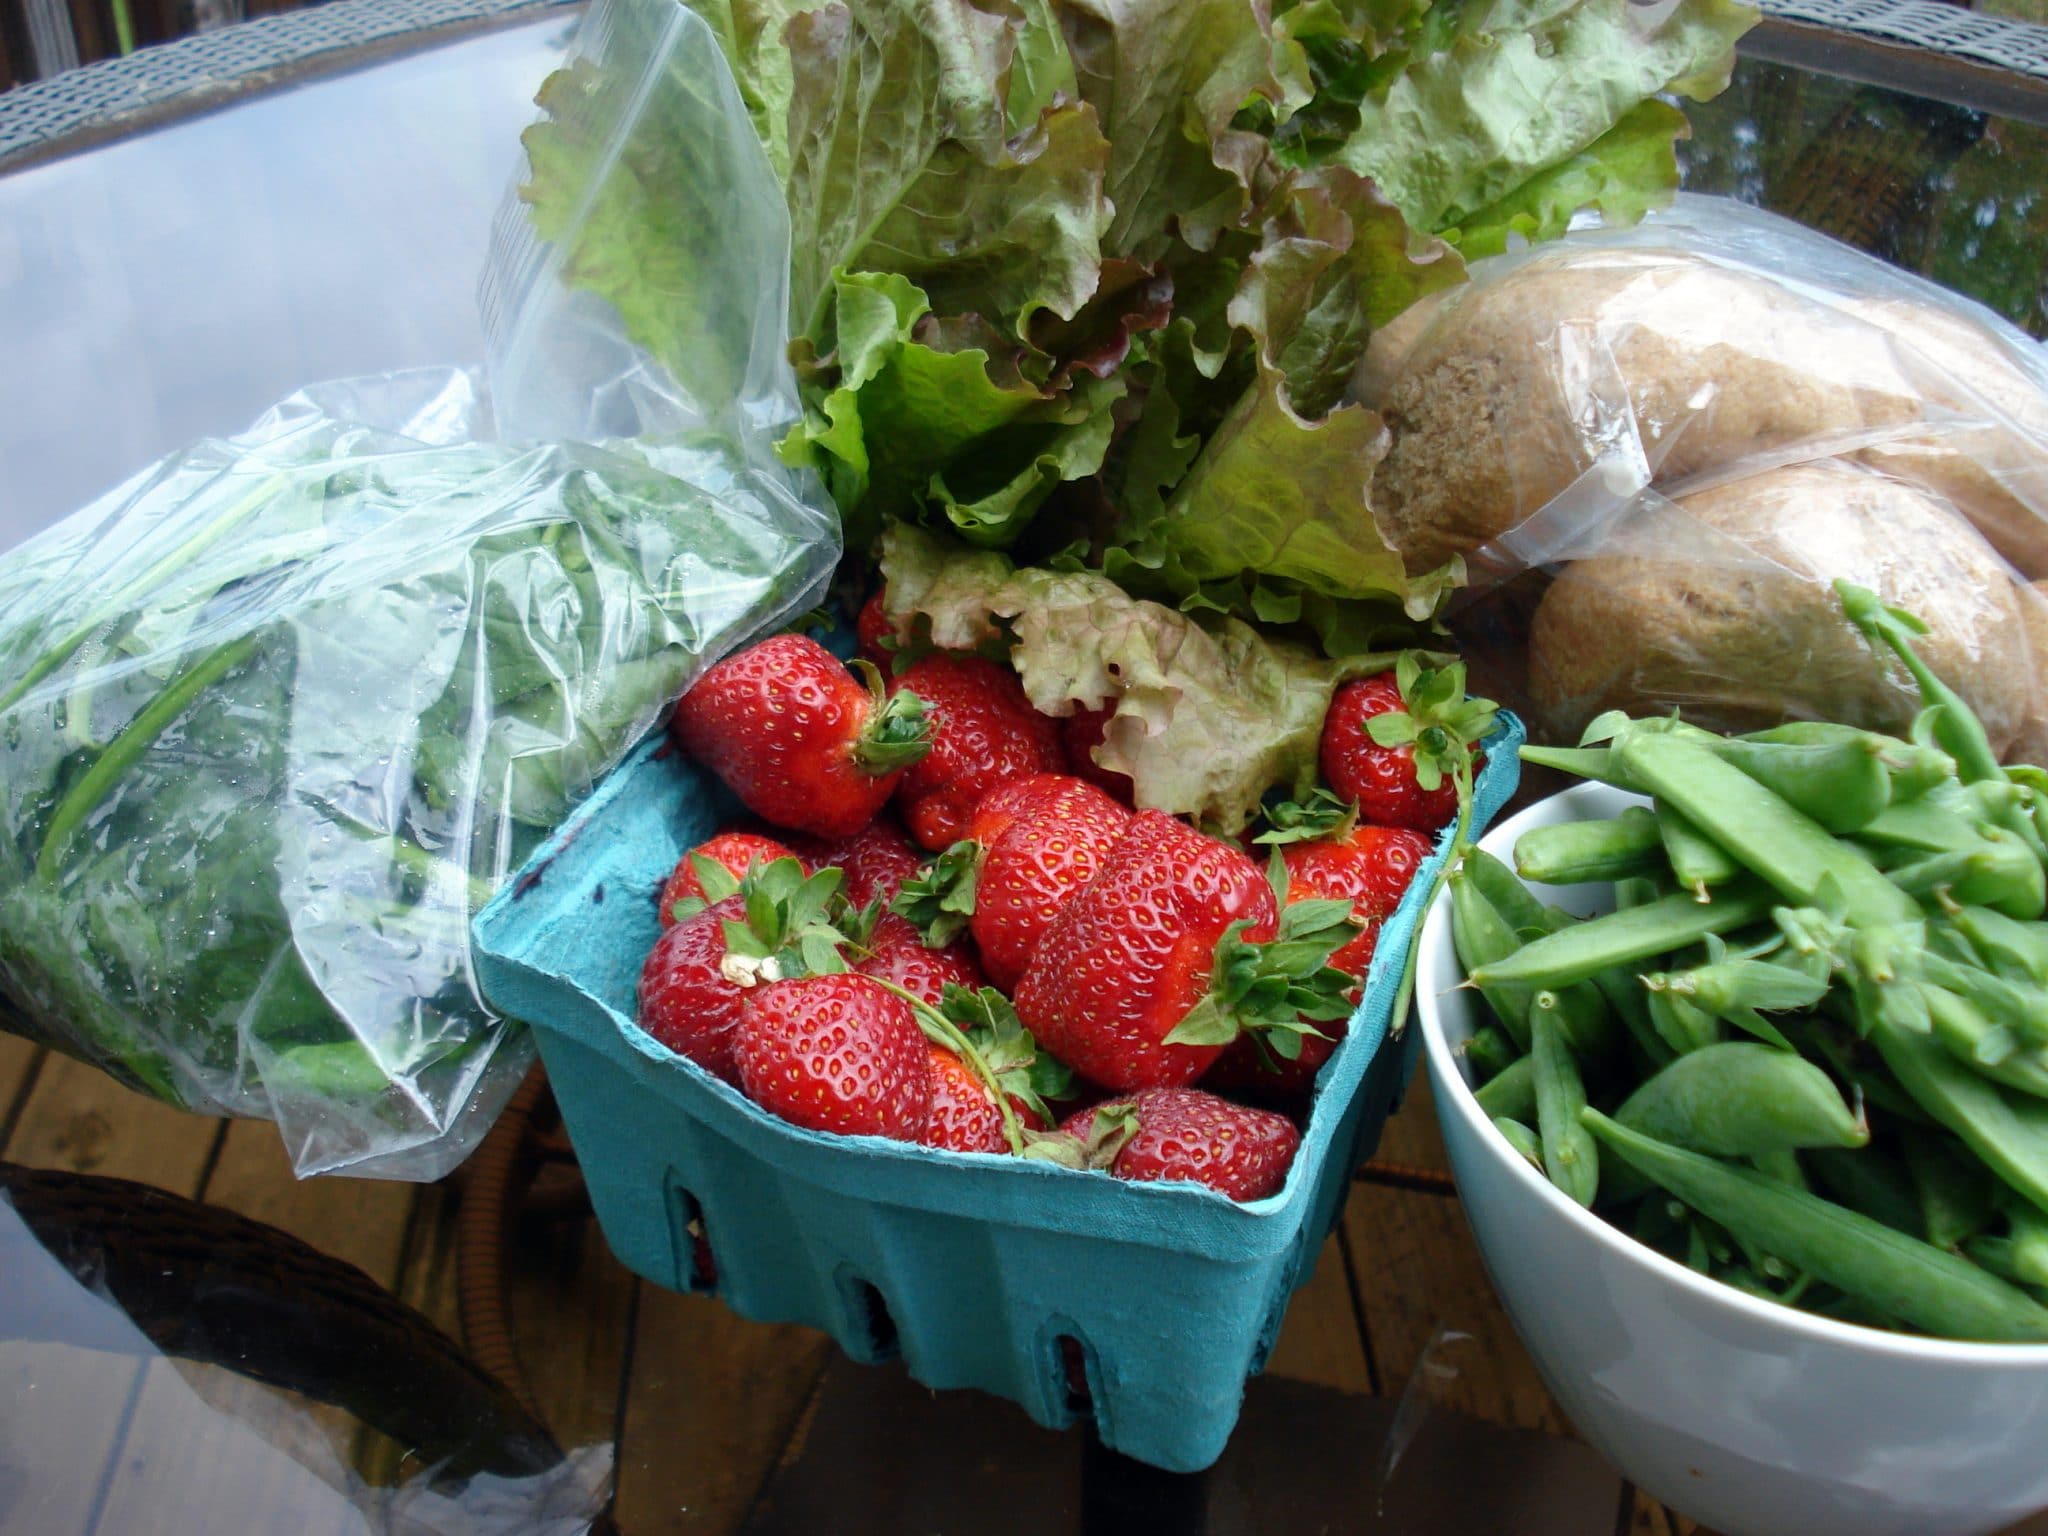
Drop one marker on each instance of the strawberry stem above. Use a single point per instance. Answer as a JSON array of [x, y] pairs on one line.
[[897, 732], [1461, 839], [941, 1030]]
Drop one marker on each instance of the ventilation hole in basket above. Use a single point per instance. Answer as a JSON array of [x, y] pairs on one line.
[[873, 1313], [1073, 1367], [700, 1269]]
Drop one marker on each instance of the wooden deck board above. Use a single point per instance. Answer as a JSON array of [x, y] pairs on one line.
[[78, 1118], [1421, 1286]]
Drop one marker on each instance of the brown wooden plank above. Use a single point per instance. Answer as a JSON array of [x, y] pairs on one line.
[[80, 1119], [711, 1402], [1320, 1341], [572, 1310], [1420, 1282], [19, 1062], [1411, 1138], [360, 1221]]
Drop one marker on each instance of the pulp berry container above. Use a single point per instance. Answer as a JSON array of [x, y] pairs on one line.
[[973, 1266]]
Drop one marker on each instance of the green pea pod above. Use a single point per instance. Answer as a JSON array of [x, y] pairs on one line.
[[1638, 892], [1595, 763], [1629, 1001], [1490, 1052], [1914, 769], [1843, 785], [1697, 862], [2028, 1234], [2016, 951], [2008, 1131], [1867, 1180], [1998, 870], [1935, 1291], [1512, 1095], [1623, 937], [1958, 1198], [1741, 989], [1933, 824], [1576, 852], [1740, 1099], [1483, 938], [1521, 1138], [1790, 851], [1680, 1023], [1570, 1156], [2019, 1006], [1989, 1048], [1513, 900], [1782, 1164], [1957, 730]]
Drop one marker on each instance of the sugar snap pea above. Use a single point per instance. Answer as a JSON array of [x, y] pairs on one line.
[[1958, 1198], [1595, 763], [1629, 1001], [1521, 1138], [1998, 870], [2027, 1232], [1869, 1181], [1512, 1094], [1787, 849], [1933, 1290], [2017, 951], [1570, 1156], [1680, 1022], [1843, 784], [1991, 1049], [2008, 1131], [1482, 937], [1740, 1099], [1575, 852], [1490, 1052], [1697, 862], [1513, 900], [1625, 936]]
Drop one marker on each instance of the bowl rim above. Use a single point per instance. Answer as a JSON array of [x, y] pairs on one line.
[[1444, 1067]]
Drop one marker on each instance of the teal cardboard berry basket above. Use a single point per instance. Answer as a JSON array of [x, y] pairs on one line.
[[972, 1266]]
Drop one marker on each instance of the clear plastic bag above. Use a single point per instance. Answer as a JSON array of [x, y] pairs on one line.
[[280, 712], [1656, 448]]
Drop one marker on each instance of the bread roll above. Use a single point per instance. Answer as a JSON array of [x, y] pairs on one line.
[[1996, 475], [1720, 605], [1509, 395], [2031, 744]]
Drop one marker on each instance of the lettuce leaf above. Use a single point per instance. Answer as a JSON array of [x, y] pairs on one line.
[[901, 159], [1208, 717], [1525, 85], [1627, 171]]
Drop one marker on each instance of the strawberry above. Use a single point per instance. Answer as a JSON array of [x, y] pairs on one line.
[[874, 636], [1184, 1133], [965, 1117], [1081, 733], [773, 923], [734, 852], [835, 1053], [897, 952], [1156, 964], [875, 861], [983, 731], [1031, 843], [803, 741], [1398, 743], [1028, 874], [686, 1001]]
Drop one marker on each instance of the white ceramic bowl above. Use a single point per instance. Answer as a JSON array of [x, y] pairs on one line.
[[1749, 1417]]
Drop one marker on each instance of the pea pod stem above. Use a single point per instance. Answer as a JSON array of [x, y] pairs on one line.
[[1903, 1277]]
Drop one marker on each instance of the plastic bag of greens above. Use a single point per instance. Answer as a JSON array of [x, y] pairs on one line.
[[278, 714]]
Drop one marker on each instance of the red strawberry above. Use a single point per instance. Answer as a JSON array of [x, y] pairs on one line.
[[686, 1001], [696, 977], [983, 732], [835, 1053], [734, 852], [1371, 867], [874, 862], [964, 1116], [1028, 873], [1402, 770], [897, 953], [1036, 795], [799, 738], [1184, 1133], [1140, 954], [874, 635], [1081, 733]]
